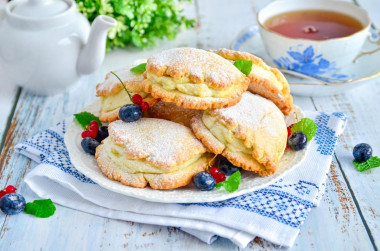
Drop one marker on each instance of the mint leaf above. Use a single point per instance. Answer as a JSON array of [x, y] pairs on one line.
[[245, 66], [40, 208], [220, 184], [307, 126], [84, 118], [140, 69], [373, 162], [232, 183]]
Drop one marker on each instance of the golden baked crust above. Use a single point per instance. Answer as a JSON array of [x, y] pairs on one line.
[[253, 133], [111, 90], [170, 111], [187, 101], [156, 181], [194, 79], [159, 152], [264, 84], [111, 85]]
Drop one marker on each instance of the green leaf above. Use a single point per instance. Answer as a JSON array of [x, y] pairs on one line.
[[373, 162], [307, 126], [139, 69], [140, 23], [220, 184], [232, 183], [84, 118], [40, 208], [245, 66]]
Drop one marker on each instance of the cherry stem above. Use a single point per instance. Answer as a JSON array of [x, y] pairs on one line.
[[213, 158], [125, 88]]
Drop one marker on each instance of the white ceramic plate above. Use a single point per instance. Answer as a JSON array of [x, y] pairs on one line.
[[87, 165], [363, 71]]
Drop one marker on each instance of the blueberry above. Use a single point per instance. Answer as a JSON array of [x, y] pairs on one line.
[[89, 145], [362, 152], [204, 181], [12, 203], [130, 113], [102, 133], [226, 167], [297, 141]]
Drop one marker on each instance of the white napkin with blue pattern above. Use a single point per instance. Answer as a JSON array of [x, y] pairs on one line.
[[274, 213]]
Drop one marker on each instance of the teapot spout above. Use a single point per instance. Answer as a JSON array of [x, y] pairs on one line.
[[92, 54]]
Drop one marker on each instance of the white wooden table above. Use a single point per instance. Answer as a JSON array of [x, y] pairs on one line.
[[348, 217]]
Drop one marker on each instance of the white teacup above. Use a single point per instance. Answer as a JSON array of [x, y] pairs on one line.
[[313, 57]]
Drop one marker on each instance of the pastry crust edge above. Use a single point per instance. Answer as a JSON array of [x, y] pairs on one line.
[[215, 146], [193, 102], [162, 181], [258, 85]]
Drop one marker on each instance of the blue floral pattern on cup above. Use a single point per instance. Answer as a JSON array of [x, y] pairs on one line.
[[308, 63]]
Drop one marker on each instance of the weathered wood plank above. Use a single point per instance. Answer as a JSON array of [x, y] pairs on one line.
[[70, 229], [362, 107], [8, 98], [336, 222]]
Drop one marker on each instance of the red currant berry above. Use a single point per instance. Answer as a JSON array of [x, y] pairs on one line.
[[85, 134], [94, 125], [137, 99], [144, 106], [214, 171], [289, 131], [92, 134], [220, 177], [10, 189], [2, 193]]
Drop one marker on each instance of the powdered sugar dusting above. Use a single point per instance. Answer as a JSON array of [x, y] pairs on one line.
[[124, 74], [253, 111], [162, 143], [197, 63]]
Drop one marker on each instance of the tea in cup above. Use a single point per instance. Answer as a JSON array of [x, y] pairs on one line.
[[314, 37]]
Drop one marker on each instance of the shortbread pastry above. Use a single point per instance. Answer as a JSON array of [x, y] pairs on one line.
[[113, 96], [194, 79], [151, 151], [251, 134], [169, 111], [264, 80]]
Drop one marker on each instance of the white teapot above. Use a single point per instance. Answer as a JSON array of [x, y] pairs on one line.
[[46, 45]]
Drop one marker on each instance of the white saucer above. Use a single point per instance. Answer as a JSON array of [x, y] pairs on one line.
[[363, 71], [86, 164]]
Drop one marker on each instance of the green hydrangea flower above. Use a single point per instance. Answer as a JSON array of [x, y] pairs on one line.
[[139, 22]]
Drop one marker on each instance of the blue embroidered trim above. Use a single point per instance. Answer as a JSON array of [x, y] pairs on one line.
[[277, 205]]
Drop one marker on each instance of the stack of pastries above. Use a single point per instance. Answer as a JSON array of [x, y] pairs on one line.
[[200, 105]]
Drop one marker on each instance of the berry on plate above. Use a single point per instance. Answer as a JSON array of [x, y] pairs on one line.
[[362, 152], [89, 145], [137, 99], [297, 141], [226, 167], [2, 193], [144, 106], [10, 189], [218, 176], [102, 133], [94, 125], [204, 181], [214, 170], [12, 203], [130, 113]]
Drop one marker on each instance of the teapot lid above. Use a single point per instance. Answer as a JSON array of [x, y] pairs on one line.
[[40, 8]]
